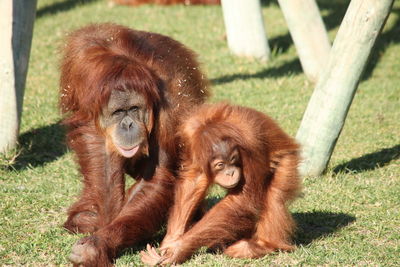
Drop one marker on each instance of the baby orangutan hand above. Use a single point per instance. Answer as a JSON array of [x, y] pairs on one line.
[[169, 254], [150, 256]]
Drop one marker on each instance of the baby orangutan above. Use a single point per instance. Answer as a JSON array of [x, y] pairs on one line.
[[247, 153]]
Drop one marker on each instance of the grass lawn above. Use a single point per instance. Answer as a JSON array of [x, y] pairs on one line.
[[350, 216]]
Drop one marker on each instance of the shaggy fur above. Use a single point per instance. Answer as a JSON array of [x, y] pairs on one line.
[[98, 59], [252, 219]]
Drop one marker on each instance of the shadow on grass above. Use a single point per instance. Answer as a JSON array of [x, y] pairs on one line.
[[40, 146], [317, 224], [370, 161], [282, 43], [334, 12], [60, 6], [291, 67], [211, 201]]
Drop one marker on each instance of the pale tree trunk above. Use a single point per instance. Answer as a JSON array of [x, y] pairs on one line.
[[16, 26], [308, 33], [244, 25], [326, 112]]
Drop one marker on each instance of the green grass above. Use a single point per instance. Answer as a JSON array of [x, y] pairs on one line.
[[349, 216]]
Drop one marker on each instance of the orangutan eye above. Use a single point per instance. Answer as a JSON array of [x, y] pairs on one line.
[[134, 108], [219, 165], [118, 112]]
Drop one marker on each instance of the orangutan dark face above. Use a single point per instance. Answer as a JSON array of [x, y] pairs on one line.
[[125, 120]]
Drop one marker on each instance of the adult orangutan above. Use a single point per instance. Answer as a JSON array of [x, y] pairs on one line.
[[247, 153], [123, 93]]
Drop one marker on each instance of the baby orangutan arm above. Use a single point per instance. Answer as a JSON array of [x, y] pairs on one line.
[[226, 222], [190, 192]]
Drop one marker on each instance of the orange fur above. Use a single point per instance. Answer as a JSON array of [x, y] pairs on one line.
[[97, 60], [253, 219]]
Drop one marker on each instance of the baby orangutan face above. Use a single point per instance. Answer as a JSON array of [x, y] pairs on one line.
[[225, 164]]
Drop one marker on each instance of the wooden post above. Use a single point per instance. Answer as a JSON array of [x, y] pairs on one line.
[[308, 33], [326, 112], [245, 30], [16, 26]]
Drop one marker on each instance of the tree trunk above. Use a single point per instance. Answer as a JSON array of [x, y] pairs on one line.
[[326, 112], [16, 26], [308, 33], [245, 30]]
